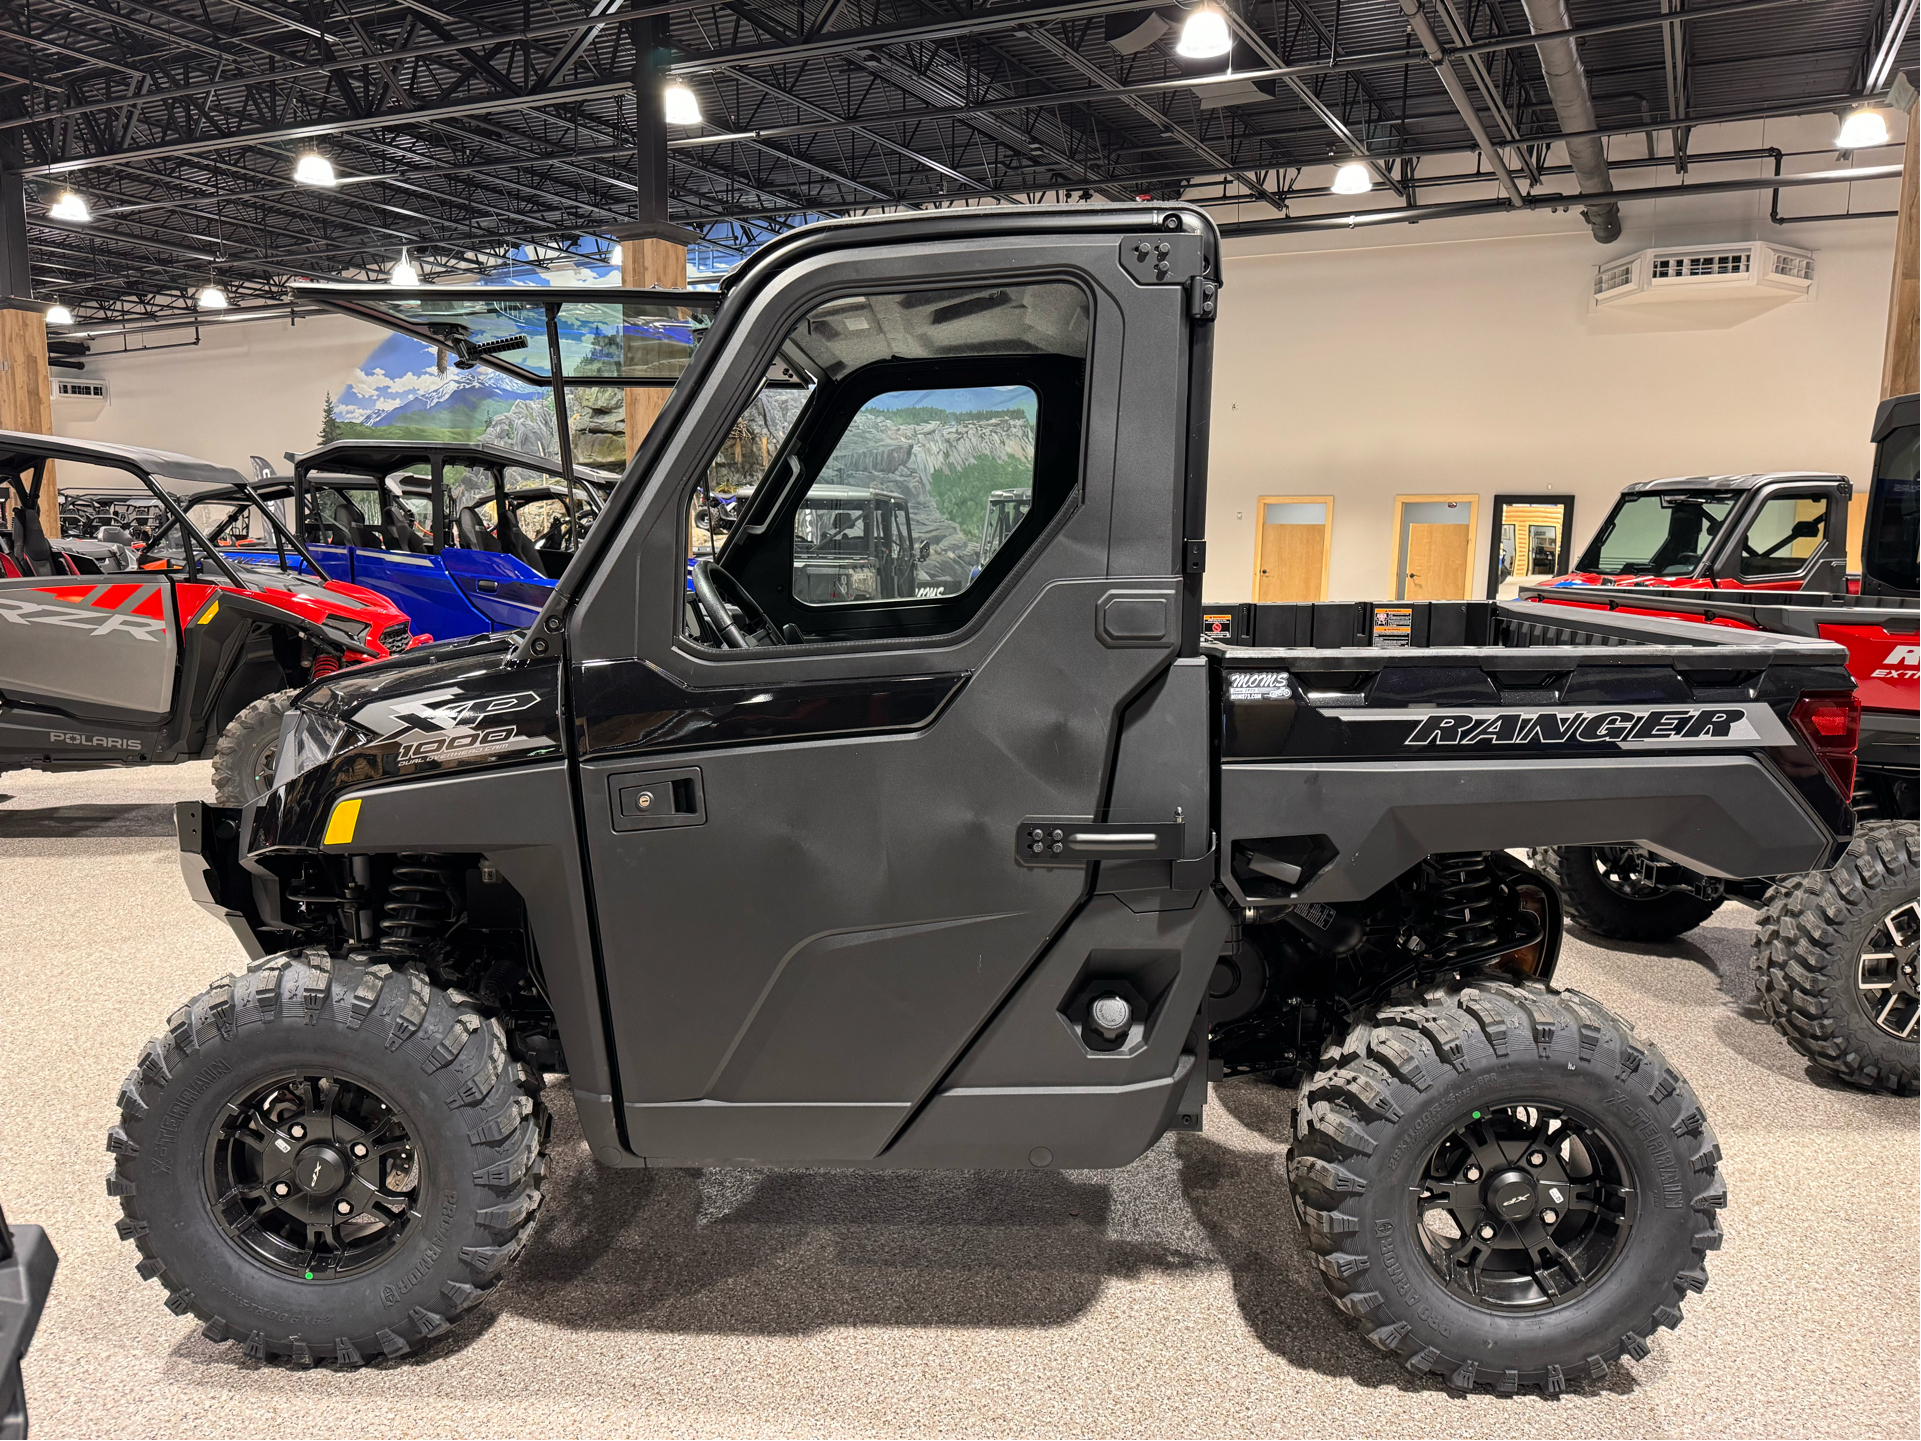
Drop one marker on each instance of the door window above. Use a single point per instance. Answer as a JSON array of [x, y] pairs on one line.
[[917, 495], [1784, 536], [905, 452]]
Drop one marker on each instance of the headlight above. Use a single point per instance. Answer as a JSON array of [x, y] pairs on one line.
[[308, 739], [353, 631]]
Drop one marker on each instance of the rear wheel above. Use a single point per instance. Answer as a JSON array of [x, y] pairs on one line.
[[1505, 1188], [244, 761], [1627, 893], [327, 1160], [1835, 956]]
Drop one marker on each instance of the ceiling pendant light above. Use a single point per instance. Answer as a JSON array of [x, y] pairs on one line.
[[69, 207], [313, 168], [59, 315], [681, 106], [212, 298], [405, 272], [1353, 178], [1862, 130], [1204, 35]]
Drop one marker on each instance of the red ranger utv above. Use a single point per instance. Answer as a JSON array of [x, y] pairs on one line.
[[194, 653], [1835, 951]]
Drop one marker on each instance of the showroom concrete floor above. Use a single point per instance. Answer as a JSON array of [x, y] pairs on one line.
[[1168, 1299]]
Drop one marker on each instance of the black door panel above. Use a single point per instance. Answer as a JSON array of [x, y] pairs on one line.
[[853, 910]]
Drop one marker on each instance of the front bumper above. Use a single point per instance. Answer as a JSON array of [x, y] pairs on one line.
[[210, 865]]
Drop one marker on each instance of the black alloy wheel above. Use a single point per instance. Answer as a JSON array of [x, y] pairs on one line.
[[1524, 1206], [1504, 1186], [1835, 956], [315, 1176], [1628, 893], [1886, 973]]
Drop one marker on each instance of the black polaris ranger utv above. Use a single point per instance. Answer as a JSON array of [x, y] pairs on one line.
[[1016, 869]]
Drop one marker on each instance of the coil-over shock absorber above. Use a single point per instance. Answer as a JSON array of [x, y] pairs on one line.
[[420, 900], [1464, 885]]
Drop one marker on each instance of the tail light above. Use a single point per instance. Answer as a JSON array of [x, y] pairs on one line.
[[1830, 722]]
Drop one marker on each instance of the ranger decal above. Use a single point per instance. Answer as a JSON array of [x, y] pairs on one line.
[[1631, 726]]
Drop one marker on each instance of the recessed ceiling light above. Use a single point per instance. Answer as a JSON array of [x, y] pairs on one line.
[[212, 298], [70, 207], [1353, 178], [1205, 35], [59, 315], [681, 106], [1862, 130], [313, 168]]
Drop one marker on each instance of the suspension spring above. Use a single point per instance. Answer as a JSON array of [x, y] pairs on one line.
[[325, 665], [420, 899], [1466, 889]]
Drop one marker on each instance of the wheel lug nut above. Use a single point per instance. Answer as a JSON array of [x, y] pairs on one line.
[[281, 1188], [1537, 1159], [1487, 1233], [1474, 1173], [360, 1150], [345, 1208], [1550, 1217], [296, 1130]]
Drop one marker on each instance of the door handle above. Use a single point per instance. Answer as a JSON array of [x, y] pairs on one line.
[[652, 800], [1076, 840]]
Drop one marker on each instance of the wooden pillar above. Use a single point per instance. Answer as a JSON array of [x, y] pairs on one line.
[[646, 262], [1901, 361], [26, 383]]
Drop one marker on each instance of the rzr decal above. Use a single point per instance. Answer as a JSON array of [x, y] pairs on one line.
[[1630, 726], [429, 730], [17, 610]]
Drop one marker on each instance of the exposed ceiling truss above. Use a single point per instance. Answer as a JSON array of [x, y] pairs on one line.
[[463, 131]]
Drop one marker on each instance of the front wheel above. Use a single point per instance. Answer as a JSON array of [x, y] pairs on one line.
[[243, 763], [1835, 954], [1504, 1187], [1627, 893], [327, 1159]]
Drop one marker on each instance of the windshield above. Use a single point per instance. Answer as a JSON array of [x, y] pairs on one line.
[[1658, 534], [1893, 536]]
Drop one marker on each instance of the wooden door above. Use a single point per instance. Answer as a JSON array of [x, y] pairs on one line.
[[1437, 557], [1291, 554]]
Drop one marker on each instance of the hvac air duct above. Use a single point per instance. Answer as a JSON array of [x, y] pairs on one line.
[[1574, 109]]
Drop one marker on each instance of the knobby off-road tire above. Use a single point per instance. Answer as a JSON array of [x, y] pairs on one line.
[[243, 761], [403, 1059], [1399, 1092], [1596, 907], [1809, 945]]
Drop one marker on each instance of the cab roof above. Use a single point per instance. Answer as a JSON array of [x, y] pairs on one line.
[[19, 449], [1728, 482], [380, 457]]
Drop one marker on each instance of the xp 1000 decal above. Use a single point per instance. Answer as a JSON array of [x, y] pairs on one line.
[[447, 725]]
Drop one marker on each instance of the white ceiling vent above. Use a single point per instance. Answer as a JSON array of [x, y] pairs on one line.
[[1748, 276]]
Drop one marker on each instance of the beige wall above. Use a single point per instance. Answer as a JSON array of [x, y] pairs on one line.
[[1461, 357], [249, 389]]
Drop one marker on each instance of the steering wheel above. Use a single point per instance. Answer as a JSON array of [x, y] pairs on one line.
[[707, 596]]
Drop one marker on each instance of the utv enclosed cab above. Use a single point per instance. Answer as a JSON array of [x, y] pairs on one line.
[[1029, 862], [449, 531], [852, 544], [1772, 531]]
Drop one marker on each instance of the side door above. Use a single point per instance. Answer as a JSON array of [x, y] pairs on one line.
[[1785, 534], [811, 860], [96, 647]]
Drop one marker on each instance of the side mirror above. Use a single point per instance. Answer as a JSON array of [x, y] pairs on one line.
[[926, 549]]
